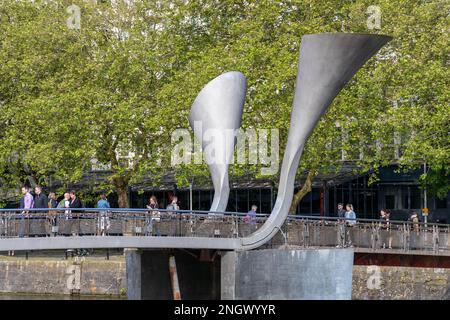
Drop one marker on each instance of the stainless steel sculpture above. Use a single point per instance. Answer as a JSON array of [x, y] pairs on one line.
[[215, 115], [327, 62]]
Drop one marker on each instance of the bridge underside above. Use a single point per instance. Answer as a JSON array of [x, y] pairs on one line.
[[142, 242], [96, 242]]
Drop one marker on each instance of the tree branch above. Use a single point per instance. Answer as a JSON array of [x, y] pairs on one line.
[[305, 189]]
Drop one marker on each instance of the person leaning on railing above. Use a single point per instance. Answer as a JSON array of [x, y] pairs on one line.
[[350, 215], [175, 216], [384, 218], [250, 218], [340, 212], [65, 203], [414, 218], [173, 205]]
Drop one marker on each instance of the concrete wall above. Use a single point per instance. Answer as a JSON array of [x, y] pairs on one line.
[[62, 277], [99, 276], [400, 283], [287, 274]]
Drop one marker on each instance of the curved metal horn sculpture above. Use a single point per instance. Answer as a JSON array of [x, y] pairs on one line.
[[215, 115], [327, 62]]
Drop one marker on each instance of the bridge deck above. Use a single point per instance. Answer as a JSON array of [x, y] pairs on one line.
[[89, 228]]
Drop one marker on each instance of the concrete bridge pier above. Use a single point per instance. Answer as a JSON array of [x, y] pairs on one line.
[[314, 274], [148, 276], [287, 274]]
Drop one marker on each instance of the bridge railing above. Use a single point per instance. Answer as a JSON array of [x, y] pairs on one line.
[[126, 222], [302, 231], [366, 234]]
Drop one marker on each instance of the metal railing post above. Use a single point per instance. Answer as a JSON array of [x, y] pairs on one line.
[[375, 235], [307, 235], [435, 239], [406, 237], [369, 234]]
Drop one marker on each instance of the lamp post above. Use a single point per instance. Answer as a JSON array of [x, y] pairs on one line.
[[425, 205], [190, 194]]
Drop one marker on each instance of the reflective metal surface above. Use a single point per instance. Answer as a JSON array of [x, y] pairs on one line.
[[327, 62], [215, 115]]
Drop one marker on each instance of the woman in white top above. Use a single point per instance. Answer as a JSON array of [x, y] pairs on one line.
[[350, 215]]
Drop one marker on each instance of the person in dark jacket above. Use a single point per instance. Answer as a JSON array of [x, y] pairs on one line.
[[40, 199], [74, 201], [341, 211]]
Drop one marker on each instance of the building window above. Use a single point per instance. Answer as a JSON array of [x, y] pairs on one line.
[[205, 200], [305, 204], [232, 201], [389, 201], [411, 198], [242, 200], [405, 200], [266, 201], [183, 199], [195, 199], [416, 198], [254, 198], [315, 195], [441, 204]]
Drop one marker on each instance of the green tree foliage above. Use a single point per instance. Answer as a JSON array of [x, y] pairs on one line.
[[73, 95], [126, 79], [395, 110]]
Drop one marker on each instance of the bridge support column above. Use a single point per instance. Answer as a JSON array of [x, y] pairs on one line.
[[148, 275], [314, 274], [133, 271]]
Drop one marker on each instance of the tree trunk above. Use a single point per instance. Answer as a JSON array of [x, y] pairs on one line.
[[121, 186], [307, 186], [123, 198], [119, 182]]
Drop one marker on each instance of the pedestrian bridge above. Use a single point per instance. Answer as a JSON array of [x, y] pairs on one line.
[[44, 229]]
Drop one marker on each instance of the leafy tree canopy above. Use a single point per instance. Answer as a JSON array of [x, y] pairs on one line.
[[116, 88]]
